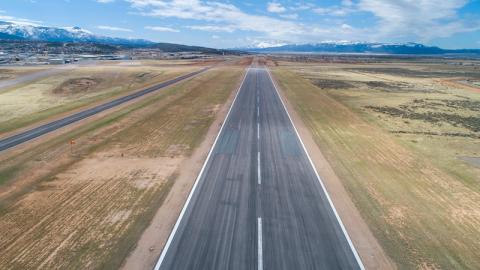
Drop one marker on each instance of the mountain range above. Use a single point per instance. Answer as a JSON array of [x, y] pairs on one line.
[[29, 32], [362, 48], [26, 32]]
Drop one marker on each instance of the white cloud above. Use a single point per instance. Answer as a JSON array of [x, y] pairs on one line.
[[17, 20], [292, 16], [221, 17], [275, 7], [425, 19], [347, 3], [346, 27], [334, 10], [213, 28], [321, 10], [397, 19], [215, 37], [113, 28], [105, 1], [302, 6], [162, 29], [220, 13]]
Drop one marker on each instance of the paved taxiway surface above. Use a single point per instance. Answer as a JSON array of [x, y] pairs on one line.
[[258, 203], [25, 136]]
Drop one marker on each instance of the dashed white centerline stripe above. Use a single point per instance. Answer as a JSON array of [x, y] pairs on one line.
[[258, 144], [259, 172], [258, 131], [260, 244]]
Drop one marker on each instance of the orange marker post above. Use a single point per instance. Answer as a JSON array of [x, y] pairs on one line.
[[72, 142]]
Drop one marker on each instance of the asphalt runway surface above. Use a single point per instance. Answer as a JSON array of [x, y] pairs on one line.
[[258, 203], [25, 136]]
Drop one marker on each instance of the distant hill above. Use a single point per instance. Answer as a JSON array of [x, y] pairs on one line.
[[15, 31], [361, 47], [6, 36], [67, 35], [171, 47], [40, 47]]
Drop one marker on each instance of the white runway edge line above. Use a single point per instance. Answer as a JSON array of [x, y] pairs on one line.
[[355, 253], [182, 213], [260, 244]]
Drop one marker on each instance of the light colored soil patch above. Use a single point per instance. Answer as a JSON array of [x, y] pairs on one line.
[[475, 161], [458, 83], [118, 216], [65, 215]]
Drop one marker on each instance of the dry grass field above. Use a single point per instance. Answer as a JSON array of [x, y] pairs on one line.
[[86, 209], [404, 138], [7, 73], [82, 86]]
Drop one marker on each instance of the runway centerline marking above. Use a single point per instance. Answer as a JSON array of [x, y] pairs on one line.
[[259, 172], [258, 131], [258, 124], [260, 244]]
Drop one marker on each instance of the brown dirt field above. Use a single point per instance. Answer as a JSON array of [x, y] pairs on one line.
[[77, 85], [7, 73], [88, 211], [455, 84]]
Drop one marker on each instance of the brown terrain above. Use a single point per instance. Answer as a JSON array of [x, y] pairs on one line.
[[84, 206], [405, 147], [396, 143]]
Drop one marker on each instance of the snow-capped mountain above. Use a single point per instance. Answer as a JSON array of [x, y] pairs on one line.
[[359, 47], [26, 31]]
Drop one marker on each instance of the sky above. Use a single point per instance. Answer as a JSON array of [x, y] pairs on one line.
[[229, 24]]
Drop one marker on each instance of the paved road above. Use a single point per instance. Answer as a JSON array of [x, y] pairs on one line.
[[17, 139], [258, 203]]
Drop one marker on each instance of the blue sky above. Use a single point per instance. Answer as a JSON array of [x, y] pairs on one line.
[[227, 24]]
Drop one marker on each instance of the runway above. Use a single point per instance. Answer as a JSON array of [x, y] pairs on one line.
[[25, 136], [258, 202]]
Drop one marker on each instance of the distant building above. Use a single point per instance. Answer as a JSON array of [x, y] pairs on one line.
[[56, 61]]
